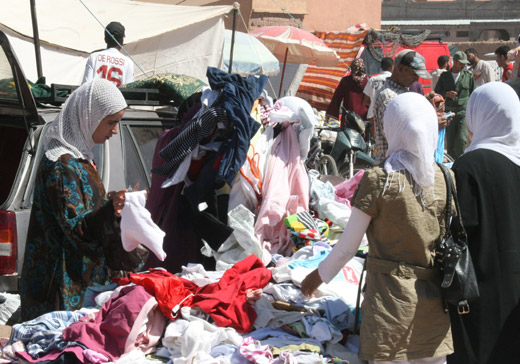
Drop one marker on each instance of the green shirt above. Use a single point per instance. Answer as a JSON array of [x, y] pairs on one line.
[[464, 87]]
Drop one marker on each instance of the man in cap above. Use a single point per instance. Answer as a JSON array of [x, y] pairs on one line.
[[456, 86], [409, 65], [110, 63]]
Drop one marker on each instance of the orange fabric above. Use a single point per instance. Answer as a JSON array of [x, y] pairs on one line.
[[318, 83]]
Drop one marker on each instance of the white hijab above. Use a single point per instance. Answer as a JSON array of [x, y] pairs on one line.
[[71, 131], [411, 129], [493, 116]]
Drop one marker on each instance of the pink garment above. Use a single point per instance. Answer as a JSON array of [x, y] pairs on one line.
[[94, 357], [345, 190], [118, 327], [255, 352], [286, 192]]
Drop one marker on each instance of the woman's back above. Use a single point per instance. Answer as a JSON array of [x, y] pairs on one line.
[[402, 227], [403, 306], [487, 185]]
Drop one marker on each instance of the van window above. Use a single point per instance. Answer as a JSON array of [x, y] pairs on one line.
[[7, 86], [138, 147]]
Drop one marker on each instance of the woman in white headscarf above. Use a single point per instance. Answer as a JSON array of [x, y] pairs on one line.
[[488, 176], [72, 221], [401, 208]]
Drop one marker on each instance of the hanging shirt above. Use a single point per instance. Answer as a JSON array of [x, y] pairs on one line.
[[111, 65]]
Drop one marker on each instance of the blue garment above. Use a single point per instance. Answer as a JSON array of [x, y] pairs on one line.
[[52, 321], [44, 333], [238, 95], [312, 262], [89, 300], [335, 310], [439, 152]]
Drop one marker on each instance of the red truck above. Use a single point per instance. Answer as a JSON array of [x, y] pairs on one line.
[[431, 50]]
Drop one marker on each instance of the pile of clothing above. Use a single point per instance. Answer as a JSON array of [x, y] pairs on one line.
[[230, 191]]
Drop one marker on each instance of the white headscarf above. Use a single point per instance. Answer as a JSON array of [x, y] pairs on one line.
[[493, 116], [71, 131], [411, 129]]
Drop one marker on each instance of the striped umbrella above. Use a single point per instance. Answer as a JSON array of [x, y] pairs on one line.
[[293, 45]]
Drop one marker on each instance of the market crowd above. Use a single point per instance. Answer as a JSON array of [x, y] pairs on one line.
[[281, 251]]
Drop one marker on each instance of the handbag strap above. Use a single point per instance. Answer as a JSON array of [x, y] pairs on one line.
[[452, 193], [449, 195]]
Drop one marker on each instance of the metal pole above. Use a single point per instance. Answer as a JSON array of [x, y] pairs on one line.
[[235, 10], [283, 71], [36, 39]]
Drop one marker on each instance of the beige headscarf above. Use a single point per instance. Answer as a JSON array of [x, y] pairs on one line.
[[71, 131]]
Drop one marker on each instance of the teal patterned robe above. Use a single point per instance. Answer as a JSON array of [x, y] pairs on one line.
[[71, 226]]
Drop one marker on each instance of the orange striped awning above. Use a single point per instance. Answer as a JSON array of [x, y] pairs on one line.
[[318, 83]]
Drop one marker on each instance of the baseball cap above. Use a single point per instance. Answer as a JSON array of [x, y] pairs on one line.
[[461, 57], [414, 60], [116, 29]]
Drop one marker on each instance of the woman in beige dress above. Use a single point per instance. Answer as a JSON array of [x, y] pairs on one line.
[[400, 205]]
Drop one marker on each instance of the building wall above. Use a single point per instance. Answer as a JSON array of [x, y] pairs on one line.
[[491, 20], [331, 15], [312, 15]]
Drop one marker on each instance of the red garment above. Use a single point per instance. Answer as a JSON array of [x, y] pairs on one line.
[[352, 95], [509, 67], [225, 301], [168, 289]]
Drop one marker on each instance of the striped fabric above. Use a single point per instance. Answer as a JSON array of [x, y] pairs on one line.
[[318, 83]]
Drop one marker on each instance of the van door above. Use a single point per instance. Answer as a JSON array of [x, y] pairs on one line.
[[16, 99]]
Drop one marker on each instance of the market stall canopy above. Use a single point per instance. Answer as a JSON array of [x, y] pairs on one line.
[[250, 56], [161, 38]]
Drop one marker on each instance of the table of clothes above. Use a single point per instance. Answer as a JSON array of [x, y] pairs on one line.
[[279, 222]]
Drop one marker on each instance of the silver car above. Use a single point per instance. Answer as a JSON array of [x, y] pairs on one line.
[[123, 162]]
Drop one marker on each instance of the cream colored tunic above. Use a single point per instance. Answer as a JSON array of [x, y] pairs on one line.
[[402, 313]]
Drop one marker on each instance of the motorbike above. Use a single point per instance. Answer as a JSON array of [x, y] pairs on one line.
[[351, 151]]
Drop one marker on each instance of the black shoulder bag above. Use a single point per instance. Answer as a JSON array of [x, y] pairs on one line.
[[459, 284]]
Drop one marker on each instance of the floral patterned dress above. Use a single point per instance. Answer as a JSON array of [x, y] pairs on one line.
[[71, 226]]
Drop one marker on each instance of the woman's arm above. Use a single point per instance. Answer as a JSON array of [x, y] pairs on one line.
[[342, 252]]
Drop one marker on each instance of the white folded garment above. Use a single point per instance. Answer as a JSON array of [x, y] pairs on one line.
[[137, 226]]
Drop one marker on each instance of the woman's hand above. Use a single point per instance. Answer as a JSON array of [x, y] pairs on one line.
[[118, 200], [311, 283]]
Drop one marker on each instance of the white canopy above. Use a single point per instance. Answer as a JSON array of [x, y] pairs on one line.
[[161, 38]]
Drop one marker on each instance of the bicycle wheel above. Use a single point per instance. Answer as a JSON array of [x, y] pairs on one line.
[[327, 166]]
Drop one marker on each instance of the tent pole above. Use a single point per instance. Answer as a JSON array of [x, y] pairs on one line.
[[36, 37], [236, 6], [283, 72]]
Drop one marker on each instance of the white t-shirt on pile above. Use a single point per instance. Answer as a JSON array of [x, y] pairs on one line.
[[111, 65]]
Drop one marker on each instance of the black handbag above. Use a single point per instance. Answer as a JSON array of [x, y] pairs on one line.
[[459, 284]]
